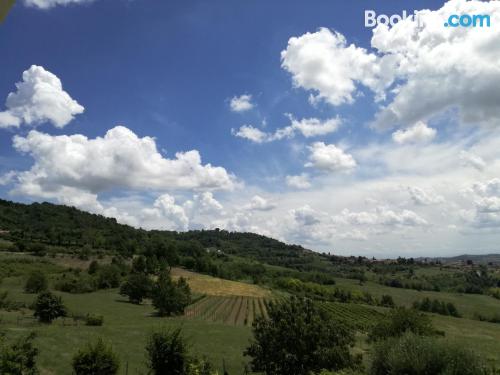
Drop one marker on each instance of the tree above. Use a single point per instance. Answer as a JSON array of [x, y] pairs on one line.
[[387, 301], [96, 359], [36, 282], [400, 321], [93, 267], [136, 287], [299, 338], [49, 307], [18, 358], [169, 297], [168, 353], [108, 276]]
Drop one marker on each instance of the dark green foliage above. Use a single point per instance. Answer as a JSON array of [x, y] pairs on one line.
[[109, 276], [93, 267], [18, 358], [75, 282], [136, 287], [48, 307], [299, 338], [96, 359], [37, 249], [436, 306], [94, 320], [167, 353], [411, 354], [400, 321], [387, 301], [36, 282], [169, 297]]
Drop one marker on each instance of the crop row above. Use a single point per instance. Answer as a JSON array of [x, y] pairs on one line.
[[236, 310], [357, 316]]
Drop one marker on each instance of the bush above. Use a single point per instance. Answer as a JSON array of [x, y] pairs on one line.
[[416, 355], [170, 298], [299, 338], [36, 282], [18, 358], [75, 282], [400, 321], [96, 359], [93, 267], [48, 307], [108, 276], [136, 287], [94, 320], [387, 301]]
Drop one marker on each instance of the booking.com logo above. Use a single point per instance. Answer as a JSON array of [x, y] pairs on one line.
[[372, 19]]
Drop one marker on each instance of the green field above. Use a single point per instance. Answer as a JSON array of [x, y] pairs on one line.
[[126, 327], [467, 304]]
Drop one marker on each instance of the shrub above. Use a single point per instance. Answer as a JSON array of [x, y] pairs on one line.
[[387, 301], [36, 282], [93, 267], [94, 320], [136, 287], [48, 307], [108, 276], [170, 298], [416, 355], [299, 338], [18, 358], [96, 359], [400, 321], [75, 282]]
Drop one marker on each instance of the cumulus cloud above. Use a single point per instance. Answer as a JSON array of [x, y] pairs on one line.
[[382, 216], [166, 214], [424, 198], [308, 127], [47, 4], [323, 62], [329, 158], [418, 133], [257, 203], [39, 98], [486, 200], [119, 160], [415, 71], [241, 103], [299, 181]]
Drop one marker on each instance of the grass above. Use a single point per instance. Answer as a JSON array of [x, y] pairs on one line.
[[126, 327], [467, 304], [204, 284]]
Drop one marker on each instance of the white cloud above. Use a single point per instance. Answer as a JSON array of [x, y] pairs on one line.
[[251, 133], [165, 214], [298, 182], [329, 158], [309, 127], [7, 178], [119, 160], [323, 62], [416, 72], [305, 215], [382, 216], [418, 133], [472, 160], [424, 198], [39, 98], [47, 4], [258, 203], [241, 103]]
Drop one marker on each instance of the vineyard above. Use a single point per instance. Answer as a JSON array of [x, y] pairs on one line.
[[357, 316], [234, 310]]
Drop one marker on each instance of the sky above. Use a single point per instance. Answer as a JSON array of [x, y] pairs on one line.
[[289, 119]]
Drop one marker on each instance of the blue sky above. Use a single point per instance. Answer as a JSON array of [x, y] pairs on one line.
[[169, 71]]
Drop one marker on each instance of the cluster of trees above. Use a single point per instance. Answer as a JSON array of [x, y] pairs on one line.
[[436, 306], [299, 339]]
